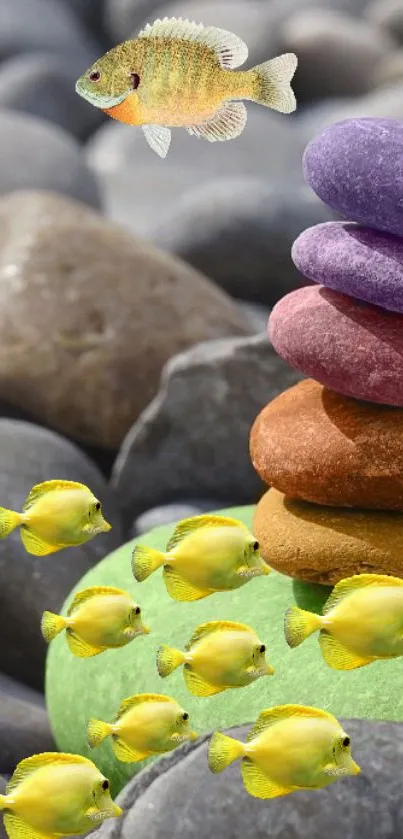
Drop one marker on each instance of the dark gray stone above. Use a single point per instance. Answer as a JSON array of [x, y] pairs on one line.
[[30, 584], [387, 14], [44, 86], [24, 724], [239, 232], [193, 439], [179, 796], [123, 16], [170, 513], [390, 71], [44, 25], [34, 154]]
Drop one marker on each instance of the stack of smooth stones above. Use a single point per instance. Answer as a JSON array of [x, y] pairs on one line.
[[331, 447]]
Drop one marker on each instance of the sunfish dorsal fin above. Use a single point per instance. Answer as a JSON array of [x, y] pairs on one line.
[[188, 526], [215, 626], [350, 584], [30, 764], [95, 591], [230, 50], [282, 712], [49, 486], [139, 699]]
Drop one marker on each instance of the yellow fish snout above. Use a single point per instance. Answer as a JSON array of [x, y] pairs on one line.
[[193, 736], [145, 629], [106, 527], [355, 769], [116, 811], [269, 670]]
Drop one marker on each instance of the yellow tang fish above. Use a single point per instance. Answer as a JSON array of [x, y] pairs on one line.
[[290, 748], [219, 655], [180, 73], [362, 621], [146, 724], [56, 515], [204, 555], [56, 794], [99, 618]]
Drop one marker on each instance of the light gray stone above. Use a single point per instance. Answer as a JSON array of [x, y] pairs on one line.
[[390, 71], [44, 25], [170, 513], [387, 14], [24, 724], [193, 439]]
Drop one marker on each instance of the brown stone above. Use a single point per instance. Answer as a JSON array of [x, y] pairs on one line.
[[326, 544], [315, 445], [89, 314]]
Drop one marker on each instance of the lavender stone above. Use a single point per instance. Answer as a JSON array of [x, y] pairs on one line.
[[355, 260], [356, 167]]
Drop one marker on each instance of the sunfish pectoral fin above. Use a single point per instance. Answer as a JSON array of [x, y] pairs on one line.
[[227, 124], [158, 138], [258, 784], [338, 656], [18, 829]]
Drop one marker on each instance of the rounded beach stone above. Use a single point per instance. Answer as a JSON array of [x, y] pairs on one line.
[[355, 260], [349, 346], [326, 544], [316, 445], [301, 675], [387, 14], [356, 167]]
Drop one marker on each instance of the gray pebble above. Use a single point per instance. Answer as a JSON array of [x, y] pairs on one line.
[[30, 584], [170, 513], [390, 71], [389, 15], [193, 439], [35, 154], [24, 724]]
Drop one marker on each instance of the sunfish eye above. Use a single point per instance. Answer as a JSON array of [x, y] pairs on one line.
[[135, 80], [94, 75], [262, 648], [345, 742], [105, 785], [185, 716], [255, 546]]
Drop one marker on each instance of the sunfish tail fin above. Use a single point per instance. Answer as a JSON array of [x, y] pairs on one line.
[[51, 625], [168, 659], [223, 751], [272, 83], [299, 624], [145, 561], [9, 520]]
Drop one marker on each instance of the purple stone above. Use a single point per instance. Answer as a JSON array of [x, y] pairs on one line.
[[355, 260], [356, 168]]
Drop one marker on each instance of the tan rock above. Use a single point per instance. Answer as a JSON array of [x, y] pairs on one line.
[[326, 544], [316, 445], [89, 314]]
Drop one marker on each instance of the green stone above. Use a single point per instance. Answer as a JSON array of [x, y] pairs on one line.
[[77, 689]]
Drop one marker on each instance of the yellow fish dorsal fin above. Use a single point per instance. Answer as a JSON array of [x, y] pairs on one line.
[[18, 829], [82, 596], [282, 712], [49, 486], [351, 584], [188, 526], [30, 764], [215, 626], [139, 699], [230, 50]]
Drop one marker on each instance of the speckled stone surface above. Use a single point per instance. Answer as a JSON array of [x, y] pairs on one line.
[[326, 544], [353, 259], [356, 167], [349, 346], [318, 446]]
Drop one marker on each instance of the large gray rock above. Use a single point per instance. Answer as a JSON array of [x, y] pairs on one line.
[[24, 724], [44, 26], [239, 232], [179, 796], [170, 513], [390, 71], [34, 154], [44, 86], [30, 584], [387, 14], [123, 16], [193, 439]]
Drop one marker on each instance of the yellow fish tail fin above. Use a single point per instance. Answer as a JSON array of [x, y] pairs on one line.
[[299, 624], [51, 625], [168, 659], [145, 561], [97, 732], [222, 751], [271, 83], [9, 520], [3, 802]]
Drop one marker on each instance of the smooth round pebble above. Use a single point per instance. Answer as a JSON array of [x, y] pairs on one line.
[[34, 154], [387, 14], [356, 167], [327, 544], [355, 260], [390, 73], [170, 513], [349, 346], [336, 53], [123, 16], [42, 26], [24, 724], [239, 232], [30, 584], [314, 445], [44, 86]]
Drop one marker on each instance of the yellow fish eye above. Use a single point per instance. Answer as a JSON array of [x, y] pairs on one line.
[[262, 648], [345, 742], [137, 610], [255, 546], [94, 75], [105, 785], [185, 716]]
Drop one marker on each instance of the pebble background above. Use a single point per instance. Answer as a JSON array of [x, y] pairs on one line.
[[134, 299]]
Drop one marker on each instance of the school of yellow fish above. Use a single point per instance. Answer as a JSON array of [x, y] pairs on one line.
[[289, 748]]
